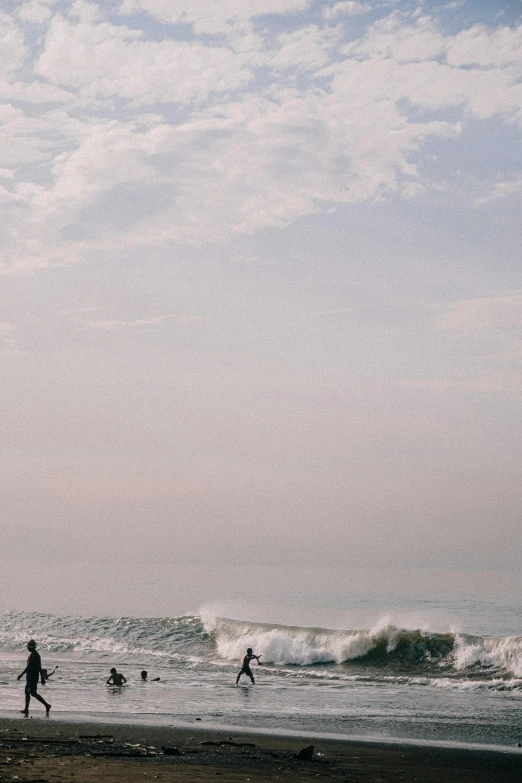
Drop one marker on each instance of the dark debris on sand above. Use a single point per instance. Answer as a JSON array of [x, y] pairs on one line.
[[130, 753]]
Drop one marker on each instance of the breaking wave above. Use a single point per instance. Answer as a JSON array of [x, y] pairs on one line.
[[384, 646], [383, 651]]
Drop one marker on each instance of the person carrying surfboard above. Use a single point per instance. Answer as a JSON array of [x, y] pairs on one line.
[[245, 669]]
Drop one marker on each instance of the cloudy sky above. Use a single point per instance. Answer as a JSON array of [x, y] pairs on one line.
[[261, 287]]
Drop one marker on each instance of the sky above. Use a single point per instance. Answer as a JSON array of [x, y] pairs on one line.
[[260, 281]]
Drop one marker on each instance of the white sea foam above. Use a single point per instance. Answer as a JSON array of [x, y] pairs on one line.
[[503, 653], [451, 683], [187, 639], [292, 645]]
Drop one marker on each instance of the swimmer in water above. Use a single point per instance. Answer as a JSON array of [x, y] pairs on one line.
[[144, 677], [245, 669], [46, 674], [116, 678]]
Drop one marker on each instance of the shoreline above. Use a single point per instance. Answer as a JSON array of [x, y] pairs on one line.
[[40, 749], [141, 722]]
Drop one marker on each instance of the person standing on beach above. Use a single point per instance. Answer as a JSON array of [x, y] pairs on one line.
[[33, 672], [245, 669]]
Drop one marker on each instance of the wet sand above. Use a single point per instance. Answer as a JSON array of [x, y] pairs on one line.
[[45, 751]]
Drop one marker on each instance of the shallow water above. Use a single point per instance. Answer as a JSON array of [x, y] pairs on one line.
[[422, 655]]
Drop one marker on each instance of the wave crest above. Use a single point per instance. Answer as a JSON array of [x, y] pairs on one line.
[[385, 645], [294, 645], [496, 654], [384, 649]]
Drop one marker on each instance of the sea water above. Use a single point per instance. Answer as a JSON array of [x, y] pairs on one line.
[[380, 653]]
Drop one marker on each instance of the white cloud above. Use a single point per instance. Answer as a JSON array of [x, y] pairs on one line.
[[266, 161], [85, 11], [117, 63], [209, 16], [398, 38], [36, 11], [229, 169], [399, 59], [305, 49], [34, 92], [412, 189], [12, 45], [106, 155], [154, 320], [501, 190], [8, 197], [479, 316], [346, 8], [487, 48], [483, 345], [25, 138], [223, 150]]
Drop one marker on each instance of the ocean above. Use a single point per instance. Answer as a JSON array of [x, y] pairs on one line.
[[382, 654]]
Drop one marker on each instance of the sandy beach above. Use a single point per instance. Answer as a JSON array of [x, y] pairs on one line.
[[47, 751]]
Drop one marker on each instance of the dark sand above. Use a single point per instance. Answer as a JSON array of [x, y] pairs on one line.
[[46, 751]]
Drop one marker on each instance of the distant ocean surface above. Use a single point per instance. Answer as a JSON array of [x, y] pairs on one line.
[[417, 654]]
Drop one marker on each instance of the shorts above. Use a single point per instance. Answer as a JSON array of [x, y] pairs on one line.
[[31, 685]]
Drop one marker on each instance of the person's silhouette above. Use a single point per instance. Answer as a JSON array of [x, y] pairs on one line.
[[33, 671]]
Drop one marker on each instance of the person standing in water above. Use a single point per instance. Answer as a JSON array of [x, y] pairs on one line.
[[245, 669], [116, 678], [33, 672]]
